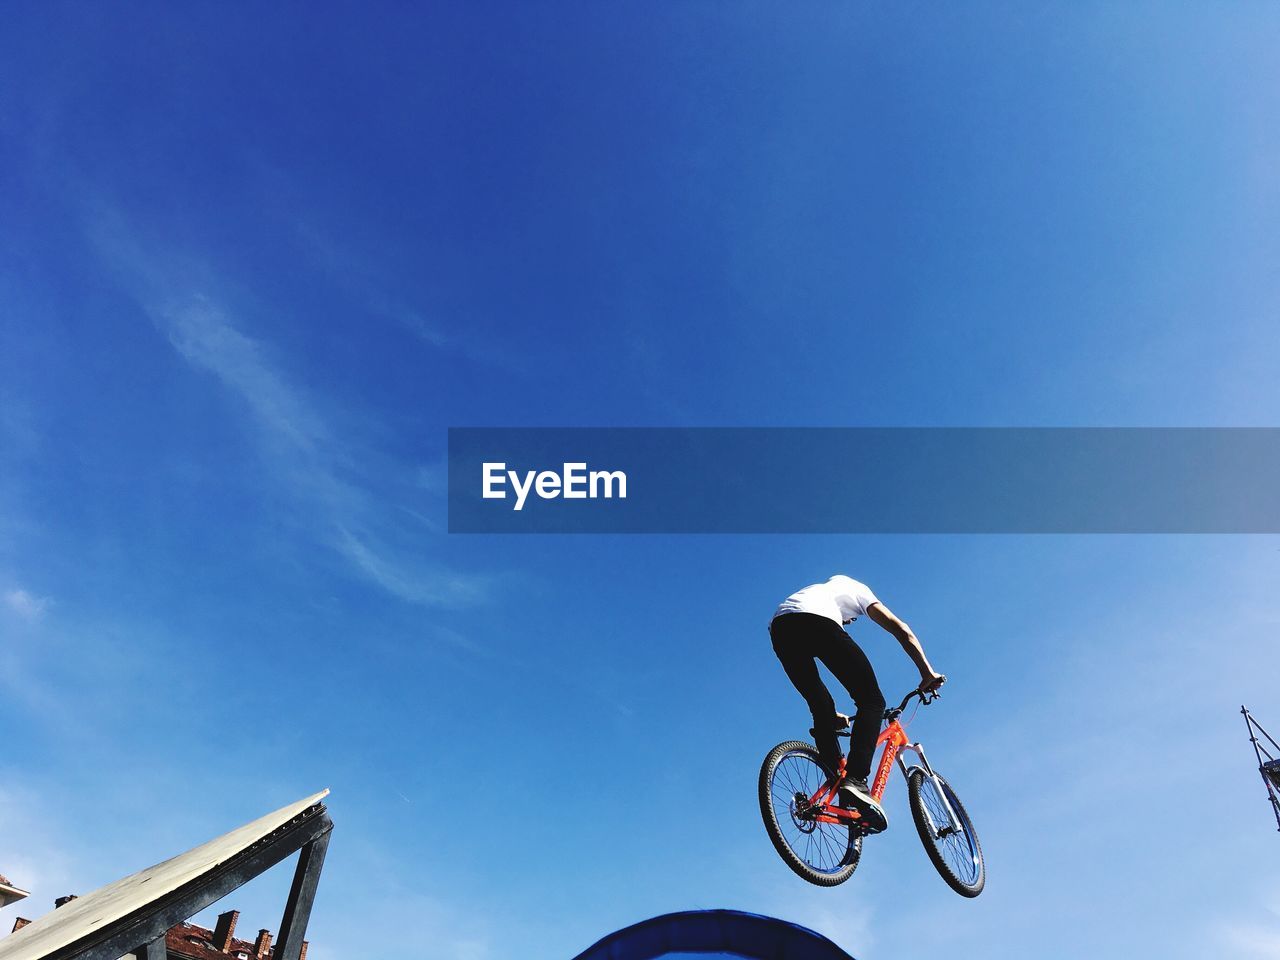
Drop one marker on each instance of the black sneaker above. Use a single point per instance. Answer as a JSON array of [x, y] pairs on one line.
[[855, 794]]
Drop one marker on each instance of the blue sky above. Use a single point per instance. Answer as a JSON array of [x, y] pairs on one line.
[[255, 262]]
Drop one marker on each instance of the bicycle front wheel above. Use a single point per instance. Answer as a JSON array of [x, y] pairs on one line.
[[822, 853], [951, 842]]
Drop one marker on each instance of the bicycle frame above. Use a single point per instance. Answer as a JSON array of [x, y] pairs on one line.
[[893, 740]]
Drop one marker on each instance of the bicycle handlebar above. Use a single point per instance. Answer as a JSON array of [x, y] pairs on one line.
[[894, 712], [926, 698]]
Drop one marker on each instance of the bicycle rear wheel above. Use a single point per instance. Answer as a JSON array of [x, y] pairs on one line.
[[825, 854], [955, 851]]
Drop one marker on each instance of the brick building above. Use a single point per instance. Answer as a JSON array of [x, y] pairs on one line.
[[189, 941]]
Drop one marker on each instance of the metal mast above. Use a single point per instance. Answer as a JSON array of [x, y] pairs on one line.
[[1268, 762]]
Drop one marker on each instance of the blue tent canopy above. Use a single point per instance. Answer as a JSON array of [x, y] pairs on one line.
[[715, 933]]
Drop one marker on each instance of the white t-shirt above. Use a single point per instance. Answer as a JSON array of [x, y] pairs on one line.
[[841, 599]]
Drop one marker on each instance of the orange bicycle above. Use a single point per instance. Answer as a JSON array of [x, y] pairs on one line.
[[822, 841]]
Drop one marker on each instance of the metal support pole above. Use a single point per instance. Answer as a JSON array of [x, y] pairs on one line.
[[1254, 729], [297, 909], [155, 950]]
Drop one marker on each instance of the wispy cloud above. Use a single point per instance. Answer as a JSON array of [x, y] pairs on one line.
[[1255, 936], [428, 333], [26, 604], [312, 459], [367, 281], [444, 926], [36, 852], [205, 337], [848, 923], [400, 579], [1253, 941], [350, 494]]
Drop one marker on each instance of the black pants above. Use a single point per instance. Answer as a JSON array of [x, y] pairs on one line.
[[801, 639]]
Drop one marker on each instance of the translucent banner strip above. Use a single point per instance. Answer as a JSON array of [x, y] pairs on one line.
[[864, 480]]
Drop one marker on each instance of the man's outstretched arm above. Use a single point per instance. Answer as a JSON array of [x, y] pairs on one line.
[[930, 679]]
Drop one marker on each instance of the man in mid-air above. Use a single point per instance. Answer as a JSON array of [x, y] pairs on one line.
[[807, 627]]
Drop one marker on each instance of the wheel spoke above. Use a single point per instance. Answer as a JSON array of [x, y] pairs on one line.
[[957, 847], [824, 847]]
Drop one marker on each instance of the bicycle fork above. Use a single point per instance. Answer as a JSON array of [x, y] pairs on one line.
[[953, 822]]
